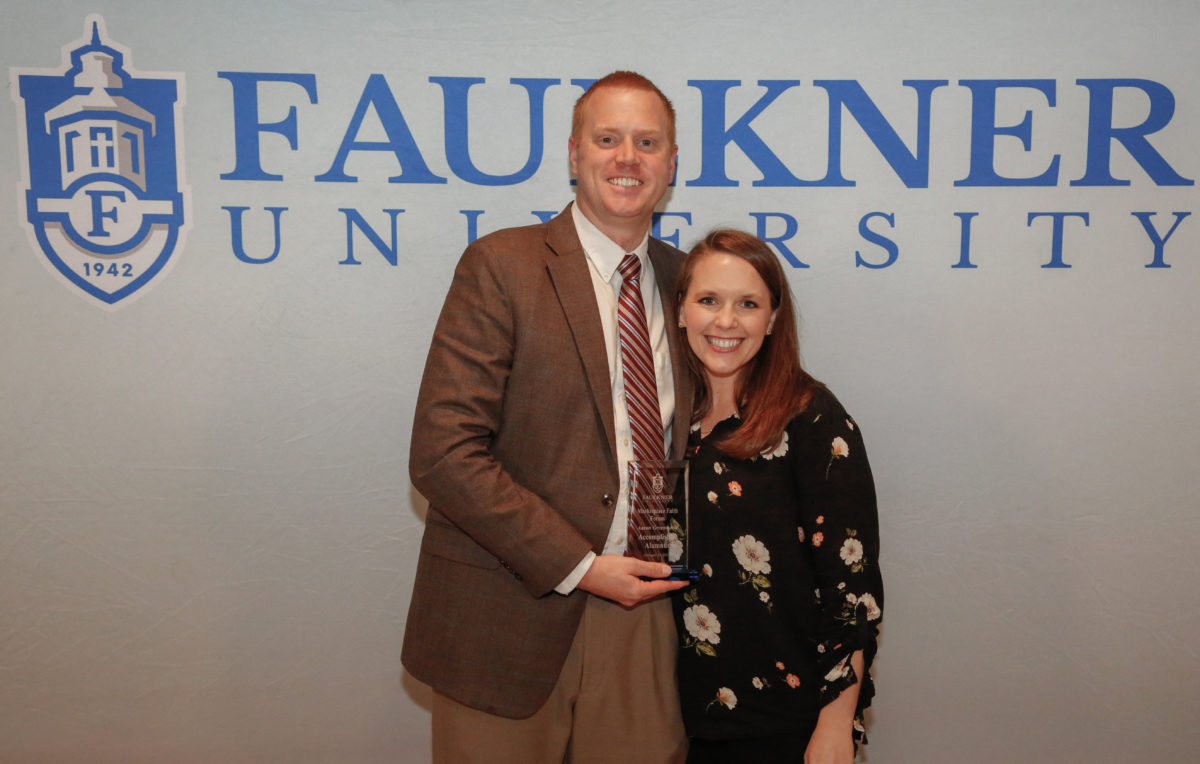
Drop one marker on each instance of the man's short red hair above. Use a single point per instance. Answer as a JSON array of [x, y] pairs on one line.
[[630, 81]]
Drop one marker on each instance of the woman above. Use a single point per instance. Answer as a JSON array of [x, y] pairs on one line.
[[779, 631]]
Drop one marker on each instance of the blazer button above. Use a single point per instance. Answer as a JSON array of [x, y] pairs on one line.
[[509, 568], [606, 500]]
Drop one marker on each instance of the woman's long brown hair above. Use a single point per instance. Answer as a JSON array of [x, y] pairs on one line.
[[774, 387]]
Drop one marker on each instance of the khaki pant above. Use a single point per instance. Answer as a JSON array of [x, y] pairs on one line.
[[615, 701]]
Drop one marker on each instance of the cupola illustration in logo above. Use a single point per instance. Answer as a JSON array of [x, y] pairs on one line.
[[103, 193]]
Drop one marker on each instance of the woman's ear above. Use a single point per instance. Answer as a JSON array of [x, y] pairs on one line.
[[771, 323]]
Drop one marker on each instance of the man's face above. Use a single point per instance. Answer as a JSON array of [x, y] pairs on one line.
[[623, 161]]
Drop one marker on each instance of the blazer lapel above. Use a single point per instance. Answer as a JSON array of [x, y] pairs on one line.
[[573, 283]]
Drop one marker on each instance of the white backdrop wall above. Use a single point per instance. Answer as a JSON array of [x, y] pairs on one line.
[[207, 534]]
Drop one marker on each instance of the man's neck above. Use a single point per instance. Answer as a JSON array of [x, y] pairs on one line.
[[627, 237]]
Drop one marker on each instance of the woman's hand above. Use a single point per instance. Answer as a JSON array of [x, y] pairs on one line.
[[832, 742]]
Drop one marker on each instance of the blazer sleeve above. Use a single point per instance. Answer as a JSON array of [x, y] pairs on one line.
[[462, 412]]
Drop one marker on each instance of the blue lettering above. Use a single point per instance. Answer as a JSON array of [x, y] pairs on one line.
[[1160, 242], [472, 224], [353, 220], [584, 84], [1101, 134], [400, 139], [473, 216], [883, 242], [984, 132], [656, 226], [1056, 260], [912, 168], [714, 136], [458, 151], [235, 228], [964, 245], [790, 227], [99, 214], [246, 124]]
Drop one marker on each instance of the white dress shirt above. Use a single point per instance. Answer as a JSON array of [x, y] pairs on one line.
[[604, 256]]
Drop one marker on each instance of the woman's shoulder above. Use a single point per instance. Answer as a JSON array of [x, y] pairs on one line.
[[821, 403], [824, 417]]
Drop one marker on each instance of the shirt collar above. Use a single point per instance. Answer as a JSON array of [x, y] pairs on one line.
[[604, 253]]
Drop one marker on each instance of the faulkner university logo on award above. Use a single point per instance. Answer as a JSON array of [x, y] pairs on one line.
[[102, 189]]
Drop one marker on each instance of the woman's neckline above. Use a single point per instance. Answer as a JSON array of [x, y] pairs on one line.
[[704, 433]]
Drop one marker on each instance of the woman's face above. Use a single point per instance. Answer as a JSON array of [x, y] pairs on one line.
[[727, 313]]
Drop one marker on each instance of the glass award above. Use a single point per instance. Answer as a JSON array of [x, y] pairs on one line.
[[658, 515]]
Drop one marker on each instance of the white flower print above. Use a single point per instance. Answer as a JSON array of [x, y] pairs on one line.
[[752, 555], [849, 614], [852, 551], [754, 558], [838, 671], [873, 611], [674, 548], [837, 450], [702, 624], [833, 535], [726, 698], [779, 450]]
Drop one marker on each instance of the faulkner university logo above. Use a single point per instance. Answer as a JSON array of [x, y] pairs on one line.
[[102, 190]]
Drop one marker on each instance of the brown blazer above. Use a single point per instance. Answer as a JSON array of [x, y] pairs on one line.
[[513, 445]]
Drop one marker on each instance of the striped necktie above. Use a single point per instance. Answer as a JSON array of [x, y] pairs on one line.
[[641, 392]]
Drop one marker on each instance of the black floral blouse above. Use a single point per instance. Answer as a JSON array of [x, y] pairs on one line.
[[787, 545]]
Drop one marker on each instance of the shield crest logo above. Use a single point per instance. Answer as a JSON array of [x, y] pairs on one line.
[[103, 194]]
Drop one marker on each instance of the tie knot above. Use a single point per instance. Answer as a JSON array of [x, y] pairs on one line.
[[630, 267]]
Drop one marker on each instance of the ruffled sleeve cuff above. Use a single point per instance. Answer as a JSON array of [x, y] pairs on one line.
[[860, 618]]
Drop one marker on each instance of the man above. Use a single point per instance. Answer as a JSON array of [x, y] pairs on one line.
[[542, 641]]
